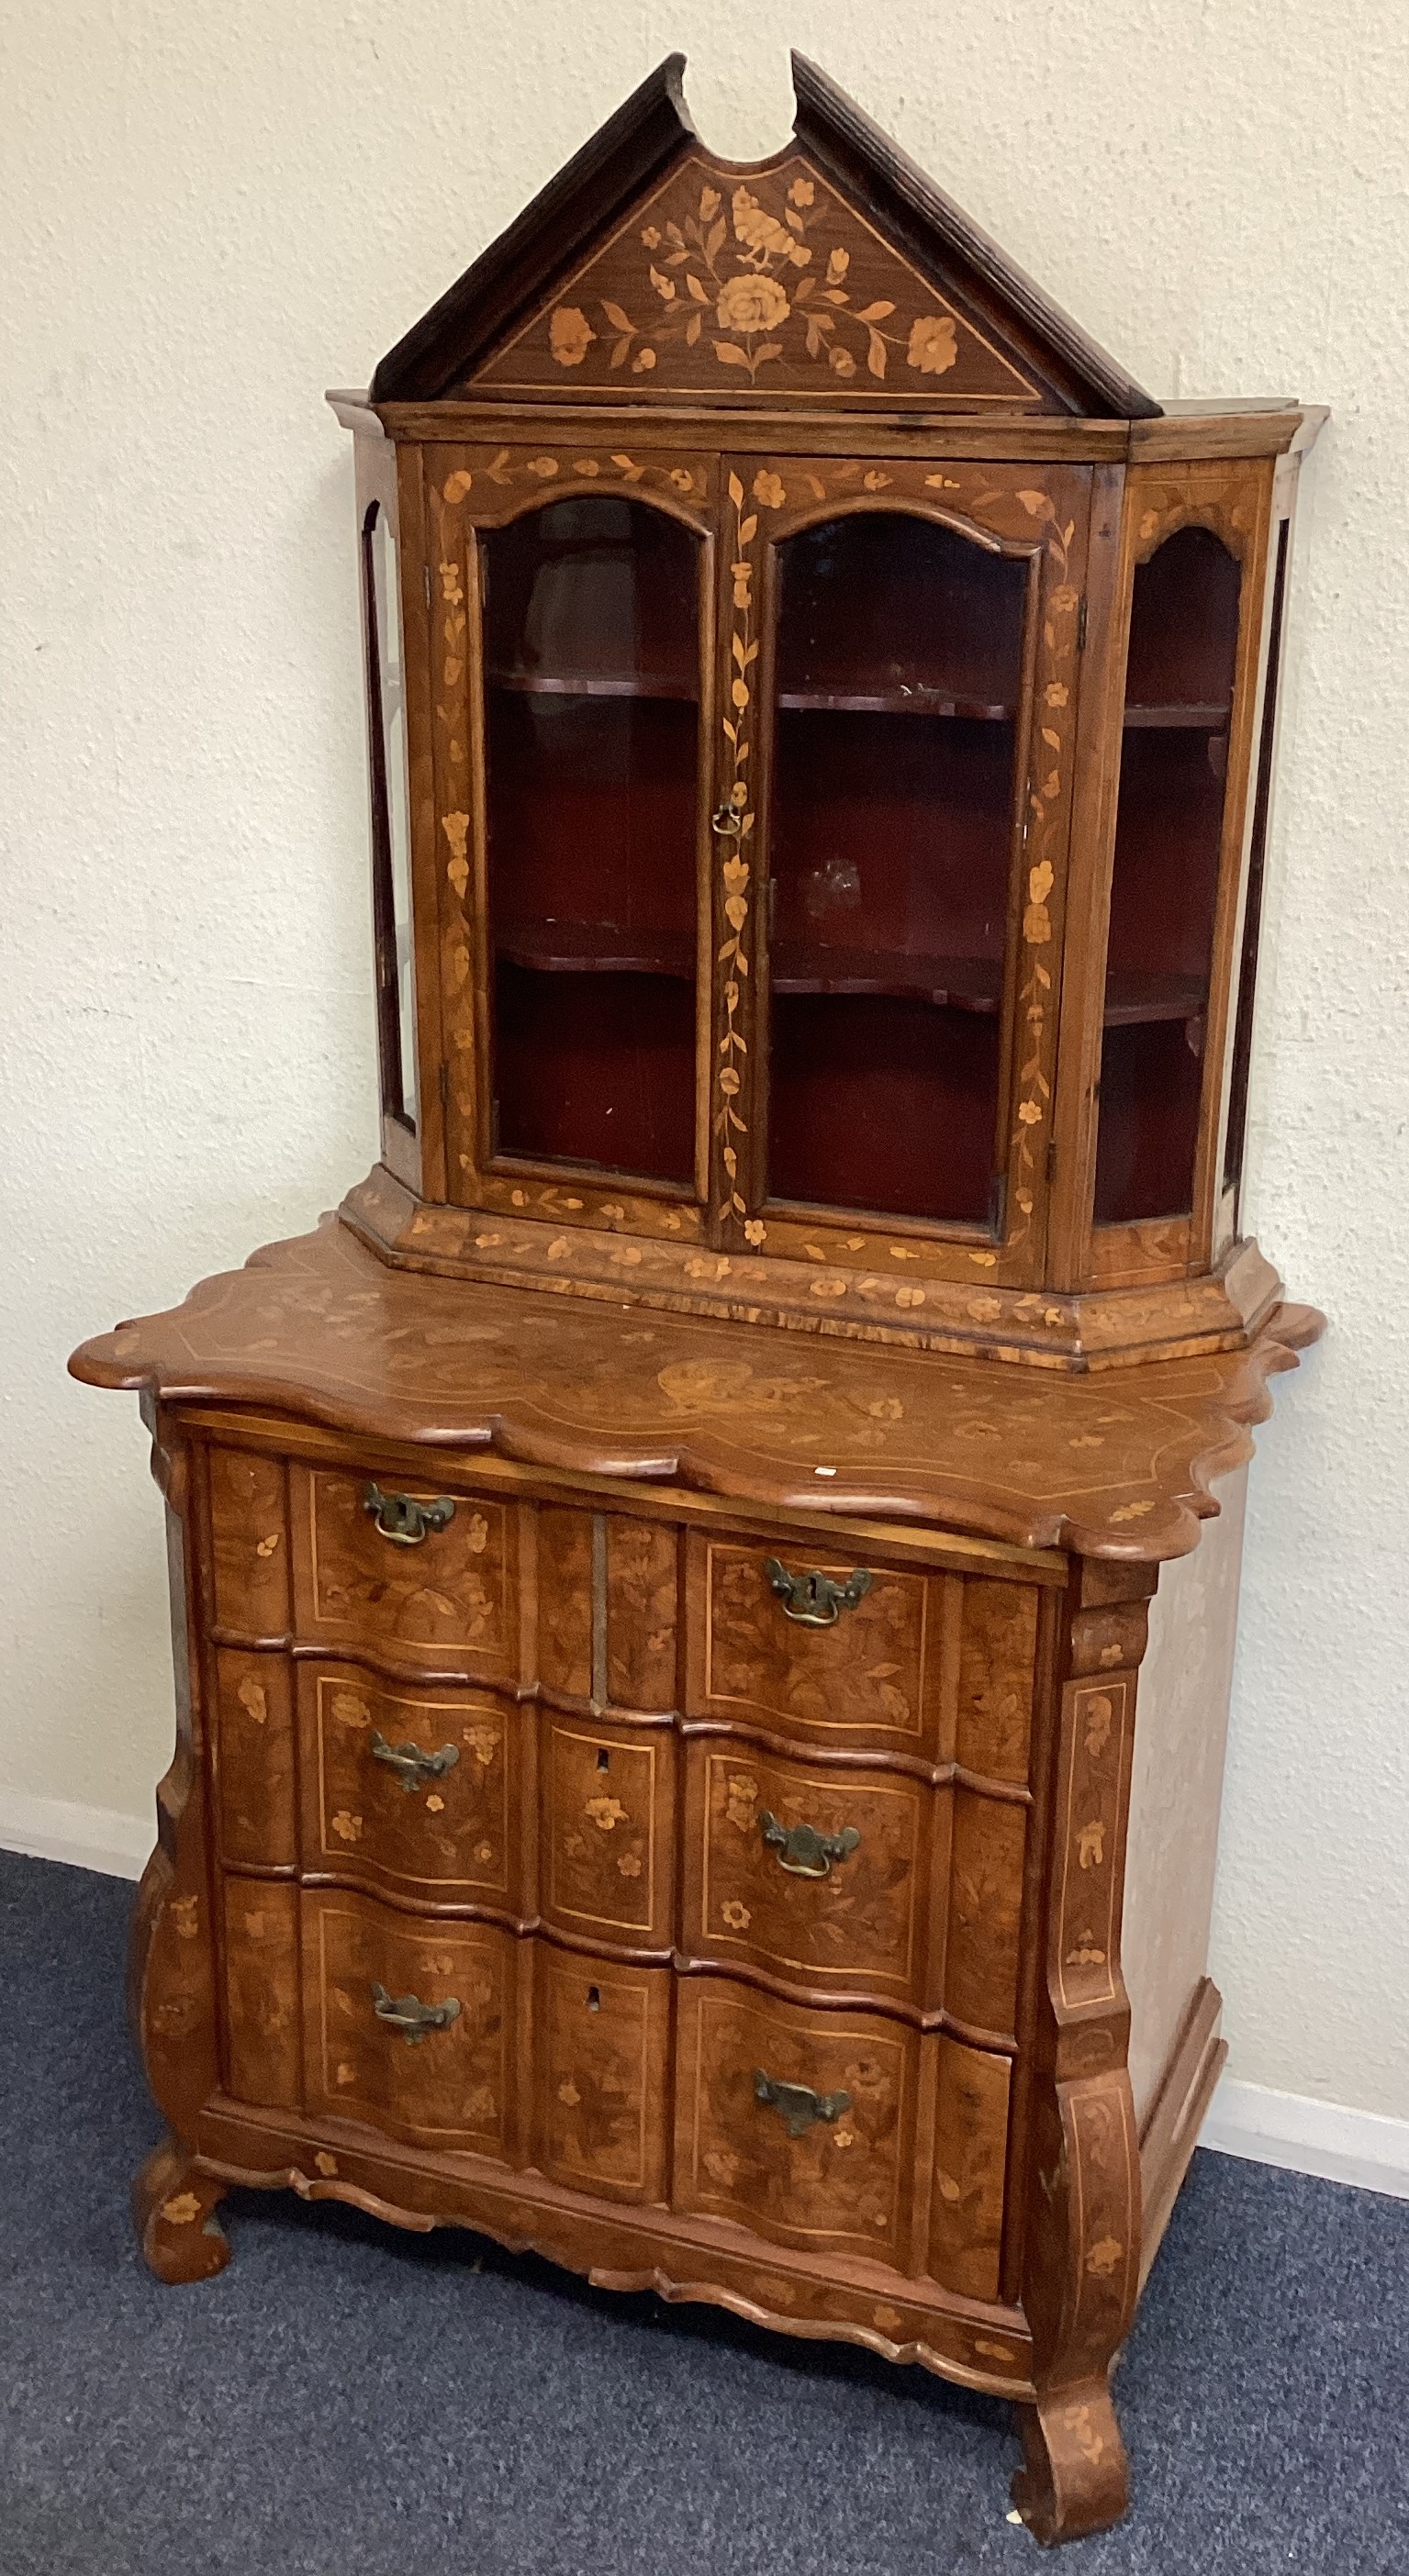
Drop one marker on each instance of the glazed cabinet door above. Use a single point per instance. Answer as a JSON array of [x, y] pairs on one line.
[[898, 707], [572, 675]]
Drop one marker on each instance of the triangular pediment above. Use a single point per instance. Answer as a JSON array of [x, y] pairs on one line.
[[834, 274]]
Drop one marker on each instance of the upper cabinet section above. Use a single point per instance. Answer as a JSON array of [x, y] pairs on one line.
[[820, 715], [834, 274]]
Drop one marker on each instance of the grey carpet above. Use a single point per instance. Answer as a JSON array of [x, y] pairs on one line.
[[348, 2401]]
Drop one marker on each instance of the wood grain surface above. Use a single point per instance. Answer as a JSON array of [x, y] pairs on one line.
[[1108, 1467]]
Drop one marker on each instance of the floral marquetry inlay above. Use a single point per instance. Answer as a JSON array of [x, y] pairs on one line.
[[770, 283]]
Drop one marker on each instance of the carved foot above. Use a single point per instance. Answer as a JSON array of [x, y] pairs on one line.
[[1075, 2477], [172, 2203]]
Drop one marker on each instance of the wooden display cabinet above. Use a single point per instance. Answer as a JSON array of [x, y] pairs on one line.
[[821, 717]]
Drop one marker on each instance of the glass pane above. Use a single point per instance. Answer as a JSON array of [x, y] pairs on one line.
[[396, 856], [1164, 889], [592, 715], [898, 676], [1257, 867]]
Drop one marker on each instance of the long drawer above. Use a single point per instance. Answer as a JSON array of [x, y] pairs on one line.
[[825, 2129]]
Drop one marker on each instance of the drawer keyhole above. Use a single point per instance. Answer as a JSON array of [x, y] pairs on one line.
[[594, 1999], [604, 1759]]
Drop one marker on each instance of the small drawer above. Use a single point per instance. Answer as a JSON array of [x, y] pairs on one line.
[[834, 1651], [409, 2026], [252, 1745], [798, 2124], [600, 2053], [388, 1569], [249, 1575], [607, 1823], [821, 1876], [413, 1789]]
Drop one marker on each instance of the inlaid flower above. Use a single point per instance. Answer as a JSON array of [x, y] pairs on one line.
[[755, 1230], [770, 490], [570, 335], [651, 237], [568, 2093], [801, 193], [605, 1813], [841, 362], [750, 303], [737, 1916], [348, 1828], [933, 347]]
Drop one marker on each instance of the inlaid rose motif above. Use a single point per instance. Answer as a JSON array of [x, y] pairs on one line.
[[748, 304], [570, 335], [933, 347]]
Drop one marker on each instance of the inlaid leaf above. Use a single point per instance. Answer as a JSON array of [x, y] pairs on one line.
[[619, 321], [875, 353], [874, 312], [729, 354], [696, 289]]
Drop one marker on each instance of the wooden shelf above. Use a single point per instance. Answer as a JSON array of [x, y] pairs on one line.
[[1181, 716], [594, 684], [951, 983], [895, 700], [594, 948], [1131, 997], [808, 968]]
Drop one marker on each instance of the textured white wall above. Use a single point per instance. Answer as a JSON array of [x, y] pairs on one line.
[[210, 215]]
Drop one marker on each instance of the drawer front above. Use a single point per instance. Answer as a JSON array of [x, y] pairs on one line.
[[415, 1789], [253, 1756], [600, 2056], [870, 1677], [779, 1880], [260, 1946], [607, 1820], [448, 1600], [970, 2160], [249, 1542], [641, 1613], [448, 2088], [840, 2184]]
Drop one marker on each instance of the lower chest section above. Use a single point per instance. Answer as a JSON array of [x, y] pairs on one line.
[[686, 1865]]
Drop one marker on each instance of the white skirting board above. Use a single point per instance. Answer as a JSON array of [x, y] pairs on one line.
[[1325, 2138], [1287, 2129], [88, 1837]]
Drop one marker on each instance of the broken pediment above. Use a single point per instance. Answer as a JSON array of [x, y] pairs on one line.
[[834, 274]]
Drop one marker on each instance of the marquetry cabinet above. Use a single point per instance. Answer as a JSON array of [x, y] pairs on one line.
[[658, 1776]]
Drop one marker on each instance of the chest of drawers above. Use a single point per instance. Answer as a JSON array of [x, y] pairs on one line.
[[583, 1831]]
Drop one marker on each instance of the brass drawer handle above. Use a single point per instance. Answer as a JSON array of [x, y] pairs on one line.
[[814, 1600], [402, 1519], [410, 2016], [799, 2106], [410, 1764], [802, 1851]]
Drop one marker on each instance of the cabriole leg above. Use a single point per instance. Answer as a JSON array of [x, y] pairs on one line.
[[1075, 2478], [173, 2204]]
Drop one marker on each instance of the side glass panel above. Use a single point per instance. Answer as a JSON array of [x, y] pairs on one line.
[[1164, 888], [897, 683], [591, 621], [391, 832], [1257, 869]]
